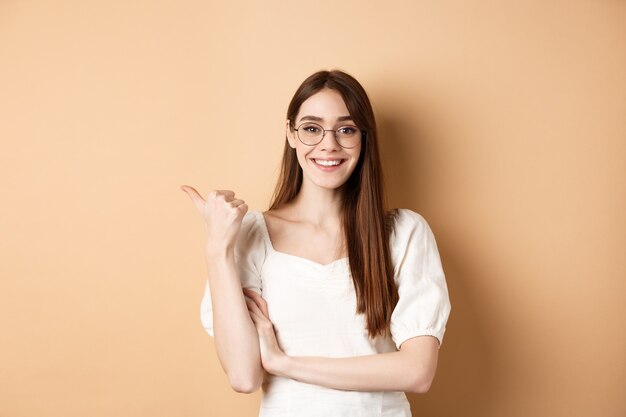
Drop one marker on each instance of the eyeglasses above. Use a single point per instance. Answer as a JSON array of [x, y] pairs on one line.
[[346, 136]]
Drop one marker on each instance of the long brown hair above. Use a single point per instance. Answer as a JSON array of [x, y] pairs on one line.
[[365, 222]]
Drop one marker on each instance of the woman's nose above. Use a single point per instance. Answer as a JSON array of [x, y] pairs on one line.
[[329, 140]]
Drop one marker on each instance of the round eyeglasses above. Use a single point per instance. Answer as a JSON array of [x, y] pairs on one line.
[[311, 134]]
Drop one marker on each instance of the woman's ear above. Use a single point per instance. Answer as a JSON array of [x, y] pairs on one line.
[[290, 135]]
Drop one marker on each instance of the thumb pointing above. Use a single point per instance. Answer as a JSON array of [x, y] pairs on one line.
[[194, 195]]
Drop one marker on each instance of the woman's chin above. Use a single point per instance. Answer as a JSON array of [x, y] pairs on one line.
[[331, 184]]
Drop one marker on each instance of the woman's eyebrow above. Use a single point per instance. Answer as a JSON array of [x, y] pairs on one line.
[[319, 119], [314, 118]]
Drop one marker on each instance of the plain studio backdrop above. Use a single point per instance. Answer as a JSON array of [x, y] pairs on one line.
[[502, 123]]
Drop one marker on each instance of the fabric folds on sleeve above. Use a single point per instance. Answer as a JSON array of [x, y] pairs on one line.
[[424, 304], [249, 256]]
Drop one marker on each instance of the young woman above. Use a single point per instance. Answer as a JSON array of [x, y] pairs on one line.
[[344, 305]]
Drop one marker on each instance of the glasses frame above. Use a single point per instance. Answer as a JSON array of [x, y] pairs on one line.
[[324, 134]]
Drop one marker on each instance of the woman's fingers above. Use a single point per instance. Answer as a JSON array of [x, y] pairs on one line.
[[253, 306], [251, 310], [254, 310], [236, 202], [263, 307], [259, 301], [227, 194], [194, 195], [261, 322], [249, 292]]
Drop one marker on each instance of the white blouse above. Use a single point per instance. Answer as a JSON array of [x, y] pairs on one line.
[[313, 309]]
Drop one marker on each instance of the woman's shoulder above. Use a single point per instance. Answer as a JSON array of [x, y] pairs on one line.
[[410, 233], [405, 226], [402, 219]]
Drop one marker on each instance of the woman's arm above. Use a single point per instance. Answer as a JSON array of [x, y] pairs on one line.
[[236, 339], [410, 369]]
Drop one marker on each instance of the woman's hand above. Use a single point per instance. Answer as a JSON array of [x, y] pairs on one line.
[[272, 357], [222, 213]]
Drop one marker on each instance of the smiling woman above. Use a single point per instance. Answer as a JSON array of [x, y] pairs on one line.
[[344, 304], [316, 148]]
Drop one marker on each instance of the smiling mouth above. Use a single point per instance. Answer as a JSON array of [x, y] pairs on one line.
[[328, 162]]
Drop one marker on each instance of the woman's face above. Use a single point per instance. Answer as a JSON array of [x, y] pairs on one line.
[[326, 164]]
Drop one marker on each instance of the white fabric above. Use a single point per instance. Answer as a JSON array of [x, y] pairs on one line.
[[313, 309]]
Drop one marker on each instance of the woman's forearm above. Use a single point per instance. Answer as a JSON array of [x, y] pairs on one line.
[[235, 336], [395, 371]]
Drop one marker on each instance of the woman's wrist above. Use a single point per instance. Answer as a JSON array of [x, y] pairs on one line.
[[215, 253], [219, 262], [281, 366]]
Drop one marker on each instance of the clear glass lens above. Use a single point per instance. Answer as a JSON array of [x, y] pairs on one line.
[[311, 134]]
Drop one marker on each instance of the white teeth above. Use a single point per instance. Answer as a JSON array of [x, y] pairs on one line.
[[327, 163]]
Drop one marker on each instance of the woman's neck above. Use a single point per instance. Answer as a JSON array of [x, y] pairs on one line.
[[317, 205]]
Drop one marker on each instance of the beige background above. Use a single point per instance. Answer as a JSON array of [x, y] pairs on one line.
[[502, 123]]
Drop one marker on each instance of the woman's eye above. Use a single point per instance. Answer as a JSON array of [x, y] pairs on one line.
[[311, 129], [347, 130]]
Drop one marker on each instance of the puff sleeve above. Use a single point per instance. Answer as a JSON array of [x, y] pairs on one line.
[[249, 256], [424, 305]]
